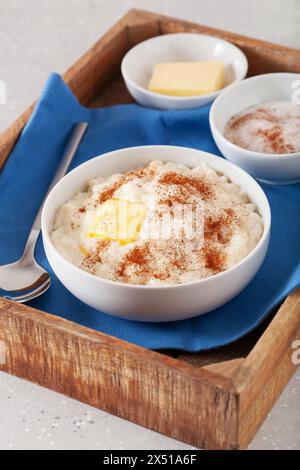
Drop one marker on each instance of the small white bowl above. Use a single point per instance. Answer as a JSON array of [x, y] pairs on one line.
[[138, 64], [268, 168], [153, 303]]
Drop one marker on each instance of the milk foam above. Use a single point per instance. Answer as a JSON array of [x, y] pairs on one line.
[[270, 127]]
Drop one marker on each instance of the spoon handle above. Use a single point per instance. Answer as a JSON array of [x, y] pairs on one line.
[[72, 146]]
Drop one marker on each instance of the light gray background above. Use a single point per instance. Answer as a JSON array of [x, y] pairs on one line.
[[41, 36]]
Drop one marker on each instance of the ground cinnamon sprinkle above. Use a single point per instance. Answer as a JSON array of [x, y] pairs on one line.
[[217, 231], [144, 258], [138, 256], [219, 227], [274, 137], [141, 173], [170, 201], [108, 193], [214, 259], [201, 187], [272, 127], [92, 259], [146, 173], [238, 121], [82, 210], [161, 276]]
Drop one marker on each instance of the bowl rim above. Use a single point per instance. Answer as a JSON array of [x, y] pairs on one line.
[[152, 94], [240, 84], [264, 238]]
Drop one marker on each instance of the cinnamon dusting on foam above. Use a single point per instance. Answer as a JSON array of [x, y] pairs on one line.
[[271, 127]]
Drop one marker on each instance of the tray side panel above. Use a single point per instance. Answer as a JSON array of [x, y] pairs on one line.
[[160, 393], [263, 56], [264, 373]]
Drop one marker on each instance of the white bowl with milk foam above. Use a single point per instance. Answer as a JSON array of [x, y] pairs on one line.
[[150, 303], [270, 168]]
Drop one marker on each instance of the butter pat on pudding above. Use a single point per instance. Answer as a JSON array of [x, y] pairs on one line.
[[187, 78]]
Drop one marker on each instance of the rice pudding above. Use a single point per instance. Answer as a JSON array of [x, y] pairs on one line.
[[271, 127], [161, 224]]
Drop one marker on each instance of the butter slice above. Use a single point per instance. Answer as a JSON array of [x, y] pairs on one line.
[[118, 220], [187, 78]]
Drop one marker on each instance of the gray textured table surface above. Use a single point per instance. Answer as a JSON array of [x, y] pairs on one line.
[[37, 38]]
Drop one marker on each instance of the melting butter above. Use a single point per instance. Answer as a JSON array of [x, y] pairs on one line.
[[118, 220]]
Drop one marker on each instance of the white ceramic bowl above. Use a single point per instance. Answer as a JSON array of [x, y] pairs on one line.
[[138, 64], [270, 168], [153, 303]]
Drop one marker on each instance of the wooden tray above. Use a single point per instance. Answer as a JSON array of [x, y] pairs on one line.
[[215, 399]]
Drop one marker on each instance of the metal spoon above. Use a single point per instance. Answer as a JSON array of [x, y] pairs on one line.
[[26, 279]]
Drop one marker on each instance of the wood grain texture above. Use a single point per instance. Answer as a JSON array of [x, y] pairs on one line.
[[263, 56], [225, 368], [145, 387], [215, 399], [9, 137], [230, 352], [115, 93], [265, 372]]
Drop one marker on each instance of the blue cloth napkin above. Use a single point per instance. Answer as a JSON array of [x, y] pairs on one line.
[[29, 171]]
